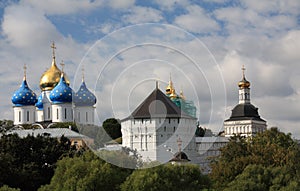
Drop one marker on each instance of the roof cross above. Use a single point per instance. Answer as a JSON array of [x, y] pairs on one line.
[[53, 49], [62, 66], [25, 68], [243, 69]]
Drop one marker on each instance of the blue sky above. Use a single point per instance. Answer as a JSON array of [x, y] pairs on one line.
[[121, 64]]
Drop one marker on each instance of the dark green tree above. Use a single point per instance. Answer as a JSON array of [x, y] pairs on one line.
[[27, 163], [112, 127], [7, 188], [268, 149], [86, 173], [168, 178]]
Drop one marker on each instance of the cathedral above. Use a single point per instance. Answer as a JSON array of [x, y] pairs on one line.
[[57, 102]]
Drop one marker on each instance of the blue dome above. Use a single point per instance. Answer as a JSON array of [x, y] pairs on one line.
[[62, 93], [84, 97], [39, 103], [24, 95]]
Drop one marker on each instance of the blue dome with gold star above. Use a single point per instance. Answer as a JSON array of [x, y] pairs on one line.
[[24, 95], [84, 97], [39, 103], [62, 93]]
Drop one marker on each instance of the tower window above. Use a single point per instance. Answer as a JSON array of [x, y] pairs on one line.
[[19, 116], [165, 128], [65, 113], [174, 129], [86, 116], [57, 113], [27, 115], [48, 112], [78, 116]]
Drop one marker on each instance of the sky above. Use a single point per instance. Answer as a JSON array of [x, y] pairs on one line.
[[125, 46]]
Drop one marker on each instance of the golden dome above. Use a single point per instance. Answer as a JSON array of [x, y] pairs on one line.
[[244, 83], [51, 77], [173, 94], [169, 88]]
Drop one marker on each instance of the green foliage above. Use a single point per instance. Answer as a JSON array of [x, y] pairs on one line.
[[7, 188], [84, 173], [203, 132], [166, 177], [6, 125], [271, 149], [27, 163], [112, 127]]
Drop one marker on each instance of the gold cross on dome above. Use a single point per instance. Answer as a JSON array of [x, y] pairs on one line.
[[243, 69], [53, 49], [24, 67], [82, 70], [62, 66]]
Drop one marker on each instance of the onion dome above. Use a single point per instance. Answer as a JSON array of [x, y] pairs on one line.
[[39, 103], [169, 88], [24, 95], [173, 95], [244, 83], [84, 97], [51, 77], [62, 93]]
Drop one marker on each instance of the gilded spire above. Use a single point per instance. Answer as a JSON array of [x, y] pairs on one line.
[[181, 95], [169, 88]]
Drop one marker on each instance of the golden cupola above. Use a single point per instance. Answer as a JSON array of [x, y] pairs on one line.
[[244, 83], [51, 77], [169, 88]]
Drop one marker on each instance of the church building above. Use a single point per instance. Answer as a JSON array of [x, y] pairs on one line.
[[57, 101], [244, 119]]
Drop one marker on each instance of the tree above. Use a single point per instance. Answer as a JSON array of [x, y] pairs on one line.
[[85, 173], [112, 127], [166, 177], [268, 149], [260, 178], [27, 163]]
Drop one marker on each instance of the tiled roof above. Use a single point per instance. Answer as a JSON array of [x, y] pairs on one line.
[[157, 104]]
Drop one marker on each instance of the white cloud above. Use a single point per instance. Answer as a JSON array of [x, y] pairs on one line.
[[117, 4], [197, 21], [24, 26], [169, 5], [138, 14], [273, 6], [61, 7]]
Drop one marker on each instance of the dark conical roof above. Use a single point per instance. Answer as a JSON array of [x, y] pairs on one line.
[[244, 111], [157, 104]]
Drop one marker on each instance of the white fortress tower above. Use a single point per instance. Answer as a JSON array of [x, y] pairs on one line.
[[156, 126], [244, 119]]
